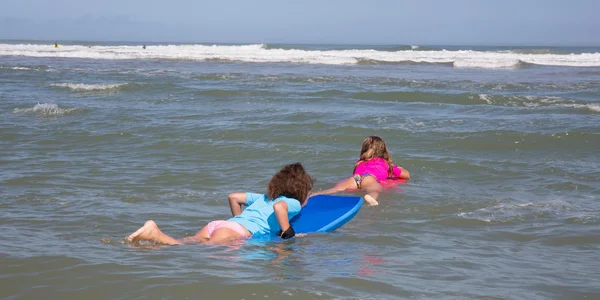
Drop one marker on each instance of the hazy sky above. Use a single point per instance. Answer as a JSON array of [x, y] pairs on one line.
[[450, 22]]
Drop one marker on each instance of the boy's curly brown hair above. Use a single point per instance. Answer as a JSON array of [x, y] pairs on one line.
[[291, 181]]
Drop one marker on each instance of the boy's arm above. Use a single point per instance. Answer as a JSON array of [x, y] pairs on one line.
[[236, 200], [281, 213]]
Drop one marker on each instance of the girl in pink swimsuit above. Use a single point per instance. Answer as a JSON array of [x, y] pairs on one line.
[[373, 166]]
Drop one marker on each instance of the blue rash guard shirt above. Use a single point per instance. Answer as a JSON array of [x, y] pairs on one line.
[[259, 215]]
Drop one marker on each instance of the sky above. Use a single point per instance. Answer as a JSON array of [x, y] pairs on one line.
[[397, 22]]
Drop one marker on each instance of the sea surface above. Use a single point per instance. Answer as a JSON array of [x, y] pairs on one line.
[[503, 145]]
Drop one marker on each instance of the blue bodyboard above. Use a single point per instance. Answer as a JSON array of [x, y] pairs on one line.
[[326, 213], [322, 213]]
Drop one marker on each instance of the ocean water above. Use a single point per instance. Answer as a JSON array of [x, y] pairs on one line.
[[502, 144]]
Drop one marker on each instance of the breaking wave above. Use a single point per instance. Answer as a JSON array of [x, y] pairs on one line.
[[260, 53]]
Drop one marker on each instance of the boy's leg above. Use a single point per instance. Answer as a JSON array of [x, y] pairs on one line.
[[150, 232], [201, 236], [224, 235]]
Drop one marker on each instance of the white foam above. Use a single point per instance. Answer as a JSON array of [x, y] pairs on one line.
[[46, 109], [260, 53], [592, 107], [485, 98], [507, 212], [16, 68], [485, 63], [87, 87], [536, 101]]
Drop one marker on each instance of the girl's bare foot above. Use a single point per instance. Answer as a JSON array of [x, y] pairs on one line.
[[370, 200]]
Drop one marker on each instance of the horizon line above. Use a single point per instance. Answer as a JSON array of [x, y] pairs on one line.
[[302, 43]]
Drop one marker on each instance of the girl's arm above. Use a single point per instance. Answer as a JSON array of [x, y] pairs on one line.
[[403, 173], [236, 200]]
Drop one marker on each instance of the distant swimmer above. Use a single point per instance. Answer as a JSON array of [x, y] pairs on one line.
[[144, 47], [90, 46]]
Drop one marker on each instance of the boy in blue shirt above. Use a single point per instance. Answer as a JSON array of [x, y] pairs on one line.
[[271, 213]]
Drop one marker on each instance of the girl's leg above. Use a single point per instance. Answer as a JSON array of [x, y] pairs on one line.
[[342, 186], [150, 232], [373, 188]]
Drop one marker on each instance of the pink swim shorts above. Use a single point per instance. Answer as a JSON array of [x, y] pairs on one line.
[[214, 225]]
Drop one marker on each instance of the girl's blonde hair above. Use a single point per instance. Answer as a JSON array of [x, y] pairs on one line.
[[373, 147]]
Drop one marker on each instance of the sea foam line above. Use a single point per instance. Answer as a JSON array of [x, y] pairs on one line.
[[16, 68], [46, 109], [535, 101], [261, 53], [81, 87], [591, 107]]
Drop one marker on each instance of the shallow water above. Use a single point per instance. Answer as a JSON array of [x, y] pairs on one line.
[[502, 204]]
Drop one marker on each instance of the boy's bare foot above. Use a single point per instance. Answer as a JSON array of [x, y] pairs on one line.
[[149, 231], [370, 200]]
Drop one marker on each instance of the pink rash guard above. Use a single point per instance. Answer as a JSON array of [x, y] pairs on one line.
[[376, 167]]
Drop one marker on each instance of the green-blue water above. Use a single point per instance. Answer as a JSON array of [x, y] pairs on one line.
[[502, 144]]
